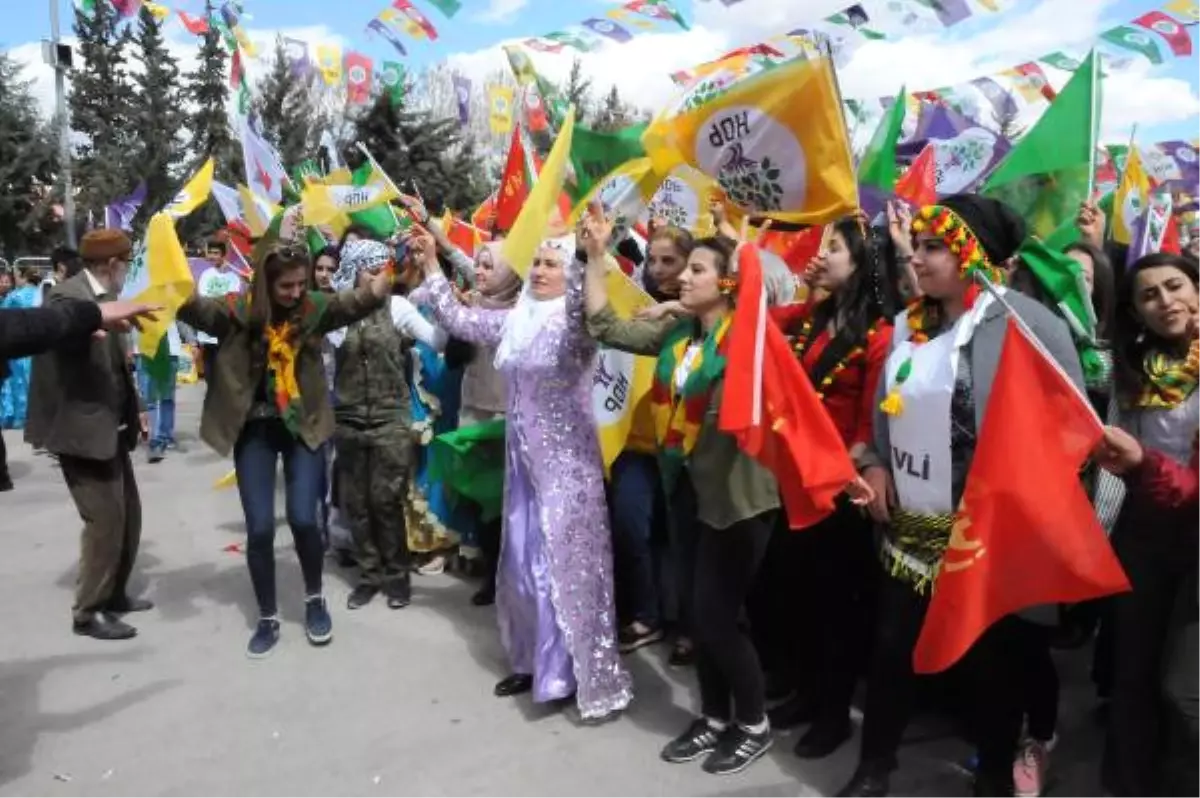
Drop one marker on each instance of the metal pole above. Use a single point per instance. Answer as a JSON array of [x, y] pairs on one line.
[[60, 103]]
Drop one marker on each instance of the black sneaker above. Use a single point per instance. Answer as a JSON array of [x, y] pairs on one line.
[[700, 738], [630, 638], [6, 483], [262, 643], [361, 595], [317, 623], [157, 453], [399, 592], [737, 750]]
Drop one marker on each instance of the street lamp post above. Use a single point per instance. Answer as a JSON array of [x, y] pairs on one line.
[[61, 65]]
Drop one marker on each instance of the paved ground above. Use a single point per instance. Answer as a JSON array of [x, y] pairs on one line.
[[399, 704]]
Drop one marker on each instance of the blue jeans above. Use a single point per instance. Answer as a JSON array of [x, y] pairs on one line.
[[635, 496], [160, 407], [255, 455]]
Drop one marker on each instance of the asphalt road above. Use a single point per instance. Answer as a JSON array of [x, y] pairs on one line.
[[400, 703]]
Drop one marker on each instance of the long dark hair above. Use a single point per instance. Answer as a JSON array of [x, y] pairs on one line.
[[1104, 287], [278, 260], [1133, 339], [867, 296]]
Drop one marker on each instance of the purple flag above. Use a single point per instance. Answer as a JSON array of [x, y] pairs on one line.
[[606, 27], [1002, 101], [297, 53], [950, 12], [1151, 227], [119, 215], [462, 93], [383, 30], [935, 121]]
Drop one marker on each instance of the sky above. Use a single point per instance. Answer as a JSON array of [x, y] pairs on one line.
[[1162, 100]]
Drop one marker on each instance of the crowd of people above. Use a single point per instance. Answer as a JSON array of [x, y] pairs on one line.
[[348, 365]]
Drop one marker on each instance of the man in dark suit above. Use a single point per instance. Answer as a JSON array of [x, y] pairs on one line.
[[84, 407]]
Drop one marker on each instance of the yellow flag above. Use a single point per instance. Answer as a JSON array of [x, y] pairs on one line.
[[1186, 10], [1130, 199], [500, 109], [256, 211], [157, 10], [329, 62], [194, 194], [167, 280], [530, 228], [324, 204], [338, 177], [775, 143]]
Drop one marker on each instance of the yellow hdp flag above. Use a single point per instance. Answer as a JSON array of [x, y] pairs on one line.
[[530, 228], [775, 143], [621, 382], [338, 177], [324, 204], [1130, 199], [157, 10], [257, 212], [167, 280], [500, 109], [194, 194], [329, 63], [624, 192]]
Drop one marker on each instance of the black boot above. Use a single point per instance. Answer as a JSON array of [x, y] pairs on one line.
[[361, 595], [486, 595], [823, 738], [103, 626], [399, 591], [868, 780], [514, 685], [796, 711]]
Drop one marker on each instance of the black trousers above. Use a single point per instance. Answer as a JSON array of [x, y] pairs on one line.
[[3, 459], [1151, 747], [990, 674], [813, 608], [727, 562]]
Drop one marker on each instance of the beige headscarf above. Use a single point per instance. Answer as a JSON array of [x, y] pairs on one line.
[[504, 286]]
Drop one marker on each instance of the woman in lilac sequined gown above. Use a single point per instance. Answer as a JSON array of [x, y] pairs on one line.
[[554, 592]]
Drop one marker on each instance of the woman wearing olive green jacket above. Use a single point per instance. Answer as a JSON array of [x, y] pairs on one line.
[[735, 499]]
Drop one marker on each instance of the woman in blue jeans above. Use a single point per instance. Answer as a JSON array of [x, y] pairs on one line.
[[271, 402]]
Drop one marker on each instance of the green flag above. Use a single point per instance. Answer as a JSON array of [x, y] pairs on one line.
[[1060, 60], [878, 165], [1130, 38], [391, 76], [380, 219], [1062, 278], [447, 7], [1047, 174], [595, 155], [470, 461]]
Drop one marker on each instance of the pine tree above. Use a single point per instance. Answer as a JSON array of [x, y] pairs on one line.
[[578, 91], [28, 157], [614, 114], [469, 183], [159, 116], [102, 112], [290, 120], [207, 92], [415, 147]]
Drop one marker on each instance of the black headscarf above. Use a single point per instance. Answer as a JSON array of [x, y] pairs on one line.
[[998, 228]]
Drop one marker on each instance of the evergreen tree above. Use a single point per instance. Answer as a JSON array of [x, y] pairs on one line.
[[578, 91], [415, 147], [291, 122], [159, 116], [27, 165], [102, 112], [614, 114], [208, 94]]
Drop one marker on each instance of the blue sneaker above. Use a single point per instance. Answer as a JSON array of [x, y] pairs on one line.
[[266, 635], [317, 623]]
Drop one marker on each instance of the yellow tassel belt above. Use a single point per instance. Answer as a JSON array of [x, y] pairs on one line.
[[913, 545]]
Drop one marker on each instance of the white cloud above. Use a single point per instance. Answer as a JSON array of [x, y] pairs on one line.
[[501, 10]]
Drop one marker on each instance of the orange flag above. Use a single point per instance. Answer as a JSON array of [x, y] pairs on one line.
[[1025, 533], [918, 186], [514, 185], [770, 407]]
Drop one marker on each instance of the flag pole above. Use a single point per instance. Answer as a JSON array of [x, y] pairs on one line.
[[1092, 125], [827, 54]]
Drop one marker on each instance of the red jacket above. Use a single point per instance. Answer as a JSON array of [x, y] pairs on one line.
[[850, 398], [1166, 482]]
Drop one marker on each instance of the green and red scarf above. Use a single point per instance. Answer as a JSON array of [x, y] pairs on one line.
[[679, 414]]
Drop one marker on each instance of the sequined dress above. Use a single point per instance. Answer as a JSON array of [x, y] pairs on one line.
[[554, 591]]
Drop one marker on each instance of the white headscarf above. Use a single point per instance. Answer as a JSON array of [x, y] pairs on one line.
[[530, 315]]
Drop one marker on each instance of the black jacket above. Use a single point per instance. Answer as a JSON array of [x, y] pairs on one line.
[[30, 331]]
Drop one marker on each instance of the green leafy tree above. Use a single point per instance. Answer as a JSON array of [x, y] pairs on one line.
[[207, 92], [28, 158], [159, 116], [415, 147], [291, 121], [102, 111], [578, 91]]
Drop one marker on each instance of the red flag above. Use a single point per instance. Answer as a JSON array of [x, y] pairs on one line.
[[197, 26], [770, 407], [235, 69], [1176, 35], [796, 249], [535, 111], [1036, 78], [543, 45], [406, 7], [358, 78], [1025, 533], [514, 186], [918, 186], [1171, 241], [484, 215]]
